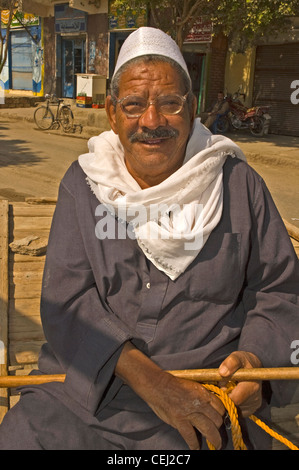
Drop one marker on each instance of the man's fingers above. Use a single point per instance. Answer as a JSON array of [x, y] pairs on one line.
[[215, 412], [207, 428], [207, 419], [230, 365], [188, 433], [237, 360], [218, 406], [248, 396], [243, 391], [215, 409], [204, 426]]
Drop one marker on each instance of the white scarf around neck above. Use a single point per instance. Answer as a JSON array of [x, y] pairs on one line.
[[172, 220]]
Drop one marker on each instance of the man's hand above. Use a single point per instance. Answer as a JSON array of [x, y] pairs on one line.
[[247, 396], [188, 406], [183, 404]]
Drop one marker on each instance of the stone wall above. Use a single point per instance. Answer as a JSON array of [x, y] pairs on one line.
[[97, 48], [21, 101]]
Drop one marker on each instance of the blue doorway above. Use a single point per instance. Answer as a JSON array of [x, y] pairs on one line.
[[73, 62]]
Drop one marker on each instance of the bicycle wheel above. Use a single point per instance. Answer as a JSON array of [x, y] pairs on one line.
[[66, 118], [43, 118]]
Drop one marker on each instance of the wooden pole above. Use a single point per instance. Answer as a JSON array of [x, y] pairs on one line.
[[11, 381], [212, 375], [198, 375], [4, 208]]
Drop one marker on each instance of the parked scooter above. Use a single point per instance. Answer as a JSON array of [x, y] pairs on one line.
[[256, 119]]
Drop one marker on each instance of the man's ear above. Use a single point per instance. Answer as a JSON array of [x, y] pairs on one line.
[[111, 113], [193, 109]]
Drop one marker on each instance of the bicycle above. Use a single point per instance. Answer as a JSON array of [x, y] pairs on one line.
[[44, 117]]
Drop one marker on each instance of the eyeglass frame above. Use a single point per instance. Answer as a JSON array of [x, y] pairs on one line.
[[149, 103]]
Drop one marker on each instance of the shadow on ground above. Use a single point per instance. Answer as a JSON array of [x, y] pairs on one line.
[[16, 151]]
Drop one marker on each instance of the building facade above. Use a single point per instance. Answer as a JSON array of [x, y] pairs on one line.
[[80, 37], [23, 69], [75, 43], [60, 41], [267, 74]]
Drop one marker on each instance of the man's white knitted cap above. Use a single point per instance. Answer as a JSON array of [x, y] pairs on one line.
[[147, 40]]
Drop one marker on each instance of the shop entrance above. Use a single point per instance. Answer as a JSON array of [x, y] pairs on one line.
[[73, 62], [196, 63], [116, 41], [21, 60]]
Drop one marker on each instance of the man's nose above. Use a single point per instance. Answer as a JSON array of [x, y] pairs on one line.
[[151, 118]]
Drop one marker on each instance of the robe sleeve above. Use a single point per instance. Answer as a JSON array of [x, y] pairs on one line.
[[83, 335], [271, 291]]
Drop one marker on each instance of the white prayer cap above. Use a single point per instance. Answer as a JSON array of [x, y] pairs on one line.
[[147, 40]]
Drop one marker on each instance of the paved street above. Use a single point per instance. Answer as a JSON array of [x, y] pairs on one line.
[[276, 159], [33, 162]]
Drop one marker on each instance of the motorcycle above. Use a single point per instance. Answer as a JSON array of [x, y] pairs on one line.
[[256, 119]]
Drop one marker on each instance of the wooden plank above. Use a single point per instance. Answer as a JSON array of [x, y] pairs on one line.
[[26, 330], [19, 276], [26, 333], [26, 289], [34, 264], [17, 258], [24, 352], [21, 209], [4, 208], [27, 219], [20, 354], [41, 200], [25, 307], [32, 223], [19, 234], [23, 328]]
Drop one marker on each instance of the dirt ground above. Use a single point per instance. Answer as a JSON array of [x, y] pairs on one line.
[[276, 159]]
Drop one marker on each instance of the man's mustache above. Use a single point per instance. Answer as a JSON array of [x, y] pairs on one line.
[[148, 134]]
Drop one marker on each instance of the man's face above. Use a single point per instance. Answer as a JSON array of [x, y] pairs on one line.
[[220, 97], [153, 158]]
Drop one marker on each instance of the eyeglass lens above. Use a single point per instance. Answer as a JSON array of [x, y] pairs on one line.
[[137, 105]]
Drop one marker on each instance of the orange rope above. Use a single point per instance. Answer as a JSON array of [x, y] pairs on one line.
[[235, 426], [273, 433]]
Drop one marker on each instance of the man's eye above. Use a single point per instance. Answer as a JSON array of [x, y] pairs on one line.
[[134, 105], [170, 101], [170, 105]]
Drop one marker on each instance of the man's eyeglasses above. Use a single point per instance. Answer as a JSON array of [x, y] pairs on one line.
[[135, 106]]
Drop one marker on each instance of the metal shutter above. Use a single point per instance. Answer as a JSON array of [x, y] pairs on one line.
[[277, 66]]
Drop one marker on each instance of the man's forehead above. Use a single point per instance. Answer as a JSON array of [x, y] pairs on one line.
[[156, 73]]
